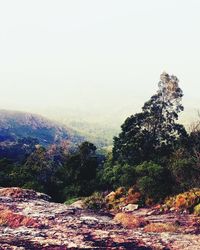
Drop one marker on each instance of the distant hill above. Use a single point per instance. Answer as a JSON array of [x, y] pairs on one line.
[[15, 125], [20, 132]]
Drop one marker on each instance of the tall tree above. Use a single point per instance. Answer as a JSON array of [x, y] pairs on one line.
[[154, 131]]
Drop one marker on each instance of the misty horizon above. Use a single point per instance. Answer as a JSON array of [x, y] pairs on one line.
[[96, 60]]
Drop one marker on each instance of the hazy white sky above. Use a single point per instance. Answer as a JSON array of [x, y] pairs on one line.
[[92, 54]]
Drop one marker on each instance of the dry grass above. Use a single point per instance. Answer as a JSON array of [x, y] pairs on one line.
[[160, 228], [129, 220]]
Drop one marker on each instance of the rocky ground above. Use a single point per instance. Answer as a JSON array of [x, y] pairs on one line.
[[28, 220]]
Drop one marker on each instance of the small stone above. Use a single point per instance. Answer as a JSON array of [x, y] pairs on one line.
[[130, 208]]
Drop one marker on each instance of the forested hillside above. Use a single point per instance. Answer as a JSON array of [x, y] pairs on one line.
[[21, 132], [153, 154], [16, 125]]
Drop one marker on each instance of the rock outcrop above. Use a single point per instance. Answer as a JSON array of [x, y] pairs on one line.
[[28, 220]]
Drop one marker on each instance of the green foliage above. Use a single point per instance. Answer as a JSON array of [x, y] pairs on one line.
[[70, 191], [113, 176], [78, 173], [197, 210], [53, 172], [143, 153], [152, 180], [184, 170], [5, 169], [95, 202], [71, 200], [16, 150], [34, 185], [36, 172]]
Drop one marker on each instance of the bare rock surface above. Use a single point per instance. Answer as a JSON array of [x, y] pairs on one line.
[[29, 221]]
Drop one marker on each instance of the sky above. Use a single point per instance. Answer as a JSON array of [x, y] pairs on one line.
[[103, 57]]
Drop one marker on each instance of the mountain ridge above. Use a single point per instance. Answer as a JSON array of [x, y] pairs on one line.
[[18, 124], [21, 132]]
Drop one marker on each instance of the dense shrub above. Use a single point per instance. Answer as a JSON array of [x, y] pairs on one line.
[[184, 170], [113, 176], [184, 201], [95, 201], [129, 220], [197, 210], [121, 197], [153, 180]]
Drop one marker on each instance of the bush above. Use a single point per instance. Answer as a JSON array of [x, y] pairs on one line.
[[120, 198], [153, 181], [133, 196], [184, 201], [129, 220], [184, 171], [115, 200], [197, 210], [95, 201], [114, 176], [71, 191]]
